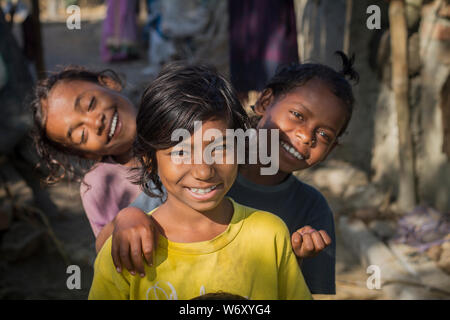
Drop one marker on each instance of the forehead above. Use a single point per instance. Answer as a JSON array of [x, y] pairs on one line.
[[58, 108], [219, 124], [316, 91], [317, 96], [62, 96], [210, 129]]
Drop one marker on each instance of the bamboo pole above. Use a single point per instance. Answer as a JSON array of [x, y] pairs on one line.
[[347, 29], [400, 85]]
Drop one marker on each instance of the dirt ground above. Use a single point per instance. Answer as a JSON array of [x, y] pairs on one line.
[[42, 274]]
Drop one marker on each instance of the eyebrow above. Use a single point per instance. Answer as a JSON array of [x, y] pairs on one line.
[[218, 141]]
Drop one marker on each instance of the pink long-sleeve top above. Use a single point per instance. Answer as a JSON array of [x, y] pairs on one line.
[[105, 191]]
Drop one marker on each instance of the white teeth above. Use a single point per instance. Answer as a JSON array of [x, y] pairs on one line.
[[291, 150], [113, 125], [202, 191]]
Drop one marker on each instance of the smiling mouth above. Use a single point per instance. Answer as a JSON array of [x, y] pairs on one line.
[[202, 191], [113, 126], [291, 150]]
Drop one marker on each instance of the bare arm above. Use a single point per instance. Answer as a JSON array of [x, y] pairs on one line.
[[103, 235]]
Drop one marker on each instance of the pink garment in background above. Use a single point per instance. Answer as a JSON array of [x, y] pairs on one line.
[[119, 33], [108, 190]]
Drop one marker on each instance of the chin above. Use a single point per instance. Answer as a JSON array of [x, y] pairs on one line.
[[204, 206], [290, 168]]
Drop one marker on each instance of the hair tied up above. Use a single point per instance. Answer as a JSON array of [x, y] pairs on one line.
[[347, 66]]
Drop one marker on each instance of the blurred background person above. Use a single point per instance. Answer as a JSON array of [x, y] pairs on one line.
[[262, 36], [119, 34]]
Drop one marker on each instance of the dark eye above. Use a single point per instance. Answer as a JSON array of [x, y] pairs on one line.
[[297, 115], [324, 135], [220, 148], [179, 153]]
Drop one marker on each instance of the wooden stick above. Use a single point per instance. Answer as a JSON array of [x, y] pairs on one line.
[[347, 29], [400, 84]]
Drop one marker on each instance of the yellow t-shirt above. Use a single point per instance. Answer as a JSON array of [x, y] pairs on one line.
[[252, 258]]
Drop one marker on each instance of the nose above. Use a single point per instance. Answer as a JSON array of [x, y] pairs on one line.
[[95, 121], [305, 136], [203, 171]]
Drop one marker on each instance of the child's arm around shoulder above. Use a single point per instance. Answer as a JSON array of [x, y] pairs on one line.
[[134, 236]]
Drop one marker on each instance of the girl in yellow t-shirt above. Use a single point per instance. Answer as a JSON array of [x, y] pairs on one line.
[[208, 242]]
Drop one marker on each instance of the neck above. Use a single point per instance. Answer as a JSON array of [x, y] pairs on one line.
[[181, 223], [252, 172]]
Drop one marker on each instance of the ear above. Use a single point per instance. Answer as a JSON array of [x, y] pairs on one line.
[[110, 83], [264, 101]]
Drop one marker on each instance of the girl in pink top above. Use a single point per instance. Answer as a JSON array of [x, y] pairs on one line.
[[82, 115]]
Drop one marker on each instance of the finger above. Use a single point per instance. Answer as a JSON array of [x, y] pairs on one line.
[[304, 230], [125, 257], [147, 245], [326, 238], [308, 245], [136, 254], [319, 245], [115, 252], [296, 241]]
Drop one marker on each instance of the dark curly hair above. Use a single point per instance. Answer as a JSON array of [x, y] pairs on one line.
[[294, 75], [179, 96], [56, 160]]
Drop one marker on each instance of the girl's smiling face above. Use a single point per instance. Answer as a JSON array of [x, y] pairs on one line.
[[309, 117], [92, 119], [199, 186]]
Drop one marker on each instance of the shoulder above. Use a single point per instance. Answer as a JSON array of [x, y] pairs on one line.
[[107, 282], [307, 190], [309, 197], [104, 262], [105, 174]]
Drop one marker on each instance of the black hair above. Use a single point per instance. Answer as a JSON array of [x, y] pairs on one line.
[[57, 160], [219, 295], [295, 75], [180, 95]]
